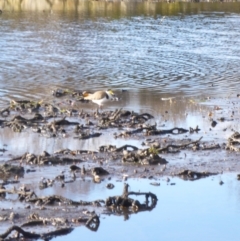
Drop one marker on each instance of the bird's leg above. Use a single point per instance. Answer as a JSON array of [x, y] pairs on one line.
[[99, 108]]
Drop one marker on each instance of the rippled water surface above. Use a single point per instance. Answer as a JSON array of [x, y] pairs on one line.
[[153, 51], [184, 54], [150, 50]]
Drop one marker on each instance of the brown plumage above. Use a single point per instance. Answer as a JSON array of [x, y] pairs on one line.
[[100, 97]]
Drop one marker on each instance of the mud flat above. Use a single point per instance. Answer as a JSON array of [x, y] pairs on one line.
[[43, 190]]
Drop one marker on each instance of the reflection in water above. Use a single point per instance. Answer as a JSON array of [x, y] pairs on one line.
[[185, 210], [153, 51], [178, 112], [183, 53], [117, 8]]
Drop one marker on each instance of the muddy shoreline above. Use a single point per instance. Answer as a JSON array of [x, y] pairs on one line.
[[184, 152]]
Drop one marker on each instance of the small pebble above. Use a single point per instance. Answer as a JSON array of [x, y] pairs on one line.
[[221, 182]]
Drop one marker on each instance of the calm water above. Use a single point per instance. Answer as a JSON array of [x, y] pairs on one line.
[[201, 210], [152, 51]]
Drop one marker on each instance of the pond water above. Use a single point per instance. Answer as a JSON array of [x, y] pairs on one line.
[[151, 51]]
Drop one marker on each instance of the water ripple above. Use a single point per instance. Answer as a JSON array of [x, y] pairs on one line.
[[180, 53]]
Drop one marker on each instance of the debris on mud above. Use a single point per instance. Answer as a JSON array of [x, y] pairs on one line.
[[234, 142], [193, 175], [152, 159], [124, 201], [65, 224]]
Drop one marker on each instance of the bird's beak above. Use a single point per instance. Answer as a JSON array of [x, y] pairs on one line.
[[111, 92]]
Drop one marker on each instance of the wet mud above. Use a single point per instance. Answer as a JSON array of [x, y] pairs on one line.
[[184, 152]]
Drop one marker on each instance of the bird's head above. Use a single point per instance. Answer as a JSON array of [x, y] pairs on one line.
[[112, 95], [110, 92], [85, 94]]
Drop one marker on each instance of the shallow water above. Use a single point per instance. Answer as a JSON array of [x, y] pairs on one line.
[[153, 51], [185, 211], [202, 209]]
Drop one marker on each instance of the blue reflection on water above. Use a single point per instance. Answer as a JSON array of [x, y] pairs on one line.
[[200, 210]]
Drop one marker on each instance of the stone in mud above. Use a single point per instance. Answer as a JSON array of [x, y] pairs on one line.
[[155, 183], [214, 123], [153, 160], [75, 168], [193, 175], [110, 186], [99, 171], [7, 169]]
